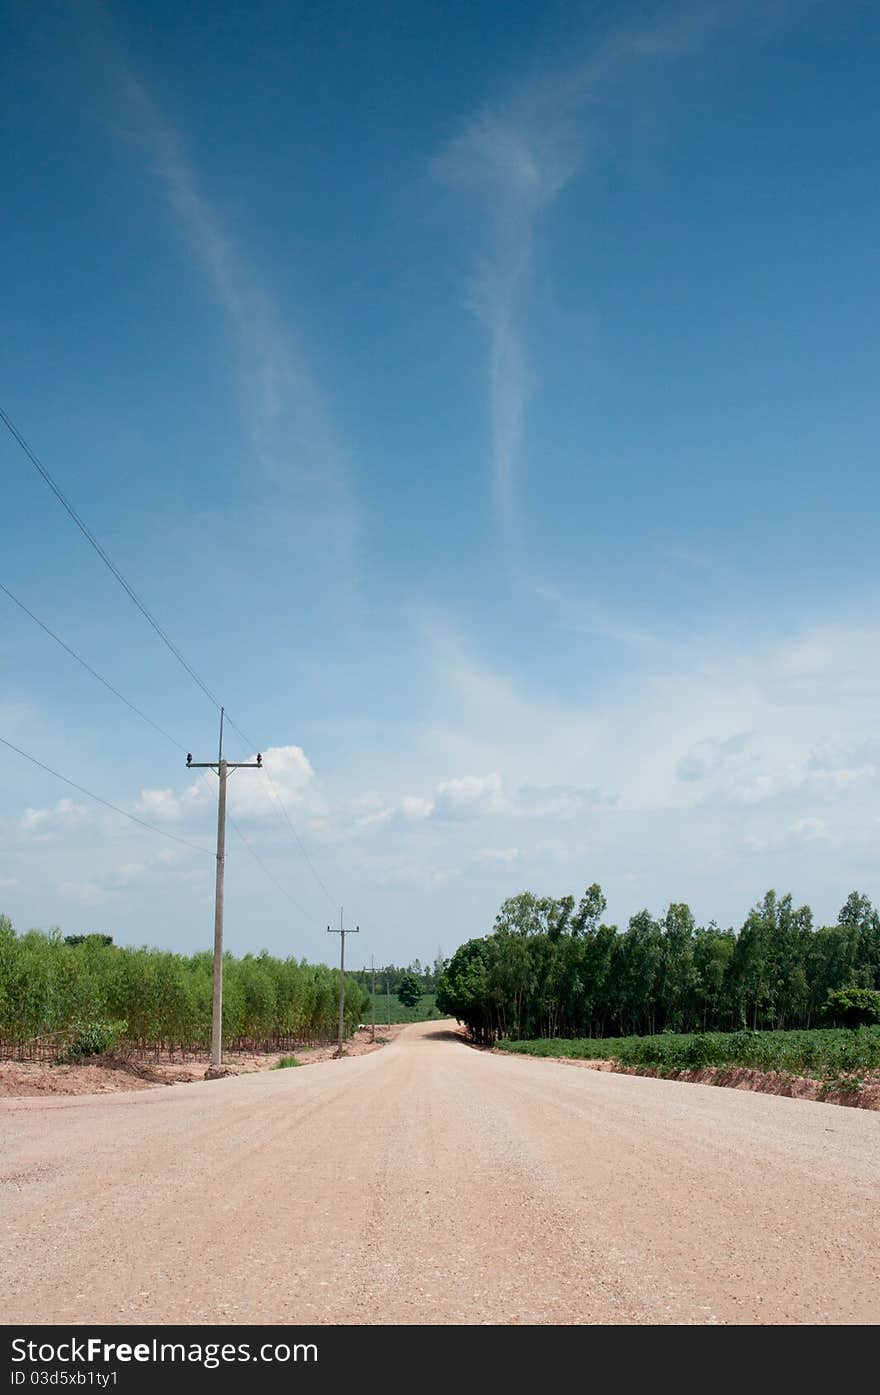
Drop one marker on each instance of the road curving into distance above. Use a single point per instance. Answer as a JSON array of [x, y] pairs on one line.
[[433, 1183]]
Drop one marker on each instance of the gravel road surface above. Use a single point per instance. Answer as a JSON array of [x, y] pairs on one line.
[[430, 1182]]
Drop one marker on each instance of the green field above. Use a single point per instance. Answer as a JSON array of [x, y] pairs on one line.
[[422, 1012], [823, 1054]]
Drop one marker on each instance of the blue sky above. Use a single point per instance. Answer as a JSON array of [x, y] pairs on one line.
[[483, 397]]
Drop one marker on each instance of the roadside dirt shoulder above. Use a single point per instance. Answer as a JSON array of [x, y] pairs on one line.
[[113, 1073]]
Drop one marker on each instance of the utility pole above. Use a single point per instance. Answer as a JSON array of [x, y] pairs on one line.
[[341, 932], [387, 998], [373, 1000], [222, 767]]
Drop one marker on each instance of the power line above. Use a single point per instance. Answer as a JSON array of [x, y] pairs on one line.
[[93, 541], [155, 725], [256, 856], [271, 875], [80, 660], [277, 797], [283, 810], [150, 618], [106, 802], [235, 727]]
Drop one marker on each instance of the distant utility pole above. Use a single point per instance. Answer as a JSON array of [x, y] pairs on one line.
[[341, 932], [373, 967], [222, 767], [387, 998]]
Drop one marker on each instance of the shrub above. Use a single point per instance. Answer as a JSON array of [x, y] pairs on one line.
[[286, 1062], [91, 1039], [853, 1007], [829, 1053]]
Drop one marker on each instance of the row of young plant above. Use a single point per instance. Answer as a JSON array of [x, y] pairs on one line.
[[162, 1000], [826, 1054], [553, 968]]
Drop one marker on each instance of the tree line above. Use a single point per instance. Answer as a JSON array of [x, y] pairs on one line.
[[390, 976], [552, 967], [51, 984]]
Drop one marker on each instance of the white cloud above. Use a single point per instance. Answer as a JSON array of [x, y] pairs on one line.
[[588, 616], [131, 872], [347, 819], [809, 830], [708, 757], [64, 815], [397, 871], [847, 757], [471, 794], [287, 776], [513, 159], [287, 417], [87, 892], [483, 796], [802, 831], [287, 771], [557, 801], [161, 804], [794, 753], [364, 814], [782, 787], [155, 867]]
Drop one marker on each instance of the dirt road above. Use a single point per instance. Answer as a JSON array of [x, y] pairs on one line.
[[430, 1182]]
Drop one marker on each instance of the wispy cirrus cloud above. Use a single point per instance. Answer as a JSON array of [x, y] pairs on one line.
[[286, 417], [514, 160], [515, 156], [588, 616]]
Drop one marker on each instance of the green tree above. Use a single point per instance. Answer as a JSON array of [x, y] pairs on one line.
[[591, 908], [463, 990], [852, 1007], [409, 990]]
